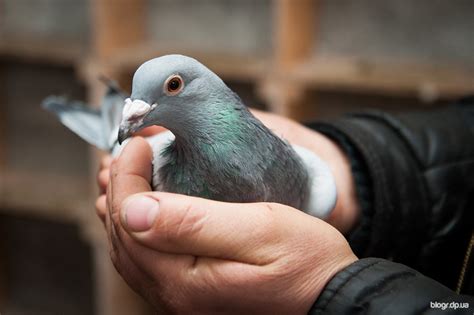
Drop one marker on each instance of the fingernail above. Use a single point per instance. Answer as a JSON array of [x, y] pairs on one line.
[[139, 213]]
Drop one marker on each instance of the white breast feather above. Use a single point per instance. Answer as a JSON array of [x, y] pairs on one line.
[[157, 143], [322, 191]]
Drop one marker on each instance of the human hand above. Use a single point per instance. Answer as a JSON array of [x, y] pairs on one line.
[[346, 211], [191, 255], [103, 174]]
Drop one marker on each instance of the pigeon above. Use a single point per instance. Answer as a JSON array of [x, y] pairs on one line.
[[214, 147]]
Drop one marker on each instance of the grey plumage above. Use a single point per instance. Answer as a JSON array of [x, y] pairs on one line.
[[216, 148], [248, 163], [221, 150], [98, 127]]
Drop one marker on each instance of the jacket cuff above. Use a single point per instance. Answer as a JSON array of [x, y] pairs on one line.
[[360, 233], [378, 286], [397, 189]]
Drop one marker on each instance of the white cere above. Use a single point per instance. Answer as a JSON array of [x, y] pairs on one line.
[[136, 108]]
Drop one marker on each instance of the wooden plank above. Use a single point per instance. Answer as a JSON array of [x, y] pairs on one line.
[[54, 197], [3, 148], [117, 25], [424, 80], [294, 32], [3, 124], [50, 51], [230, 66], [3, 270], [294, 26]]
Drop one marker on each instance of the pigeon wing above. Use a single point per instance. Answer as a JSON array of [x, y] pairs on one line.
[[82, 120]]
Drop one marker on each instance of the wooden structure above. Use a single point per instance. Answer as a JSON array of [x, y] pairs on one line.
[[281, 77]]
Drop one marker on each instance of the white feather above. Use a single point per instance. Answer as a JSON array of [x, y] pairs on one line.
[[322, 191], [157, 143]]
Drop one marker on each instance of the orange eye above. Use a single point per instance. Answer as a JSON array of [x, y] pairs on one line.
[[173, 85]]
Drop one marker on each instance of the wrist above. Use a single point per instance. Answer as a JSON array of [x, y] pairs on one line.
[[335, 260]]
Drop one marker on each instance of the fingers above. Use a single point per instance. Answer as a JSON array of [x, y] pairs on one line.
[[104, 173], [103, 179], [187, 225], [142, 276], [132, 172], [157, 265], [106, 162], [101, 207]]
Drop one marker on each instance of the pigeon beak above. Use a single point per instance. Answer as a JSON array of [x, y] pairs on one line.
[[132, 118], [123, 134]]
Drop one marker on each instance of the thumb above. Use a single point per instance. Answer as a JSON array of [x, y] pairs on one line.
[[181, 224]]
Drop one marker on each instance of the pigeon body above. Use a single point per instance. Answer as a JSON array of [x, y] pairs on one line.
[[242, 162], [215, 147]]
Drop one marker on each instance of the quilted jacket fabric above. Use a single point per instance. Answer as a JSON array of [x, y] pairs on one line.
[[417, 213]]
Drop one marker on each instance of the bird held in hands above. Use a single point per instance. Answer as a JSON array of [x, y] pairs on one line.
[[215, 147]]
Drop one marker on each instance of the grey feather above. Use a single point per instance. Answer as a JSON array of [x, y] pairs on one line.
[[83, 121], [111, 112], [97, 127]]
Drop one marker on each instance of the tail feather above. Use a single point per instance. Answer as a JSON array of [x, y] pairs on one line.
[[111, 112], [97, 127], [82, 120]]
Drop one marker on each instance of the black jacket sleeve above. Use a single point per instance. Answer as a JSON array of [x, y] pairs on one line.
[[378, 286], [420, 169], [417, 176]]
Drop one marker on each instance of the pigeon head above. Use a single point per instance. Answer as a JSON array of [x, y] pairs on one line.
[[172, 91]]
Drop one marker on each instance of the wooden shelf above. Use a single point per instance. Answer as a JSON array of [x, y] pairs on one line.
[[51, 196], [51, 51], [396, 78], [228, 66], [119, 42]]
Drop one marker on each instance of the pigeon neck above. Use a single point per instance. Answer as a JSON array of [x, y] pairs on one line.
[[212, 132]]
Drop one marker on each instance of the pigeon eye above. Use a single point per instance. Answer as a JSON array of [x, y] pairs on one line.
[[173, 85]]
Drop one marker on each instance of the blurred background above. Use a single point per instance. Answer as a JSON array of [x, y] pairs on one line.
[[307, 59]]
